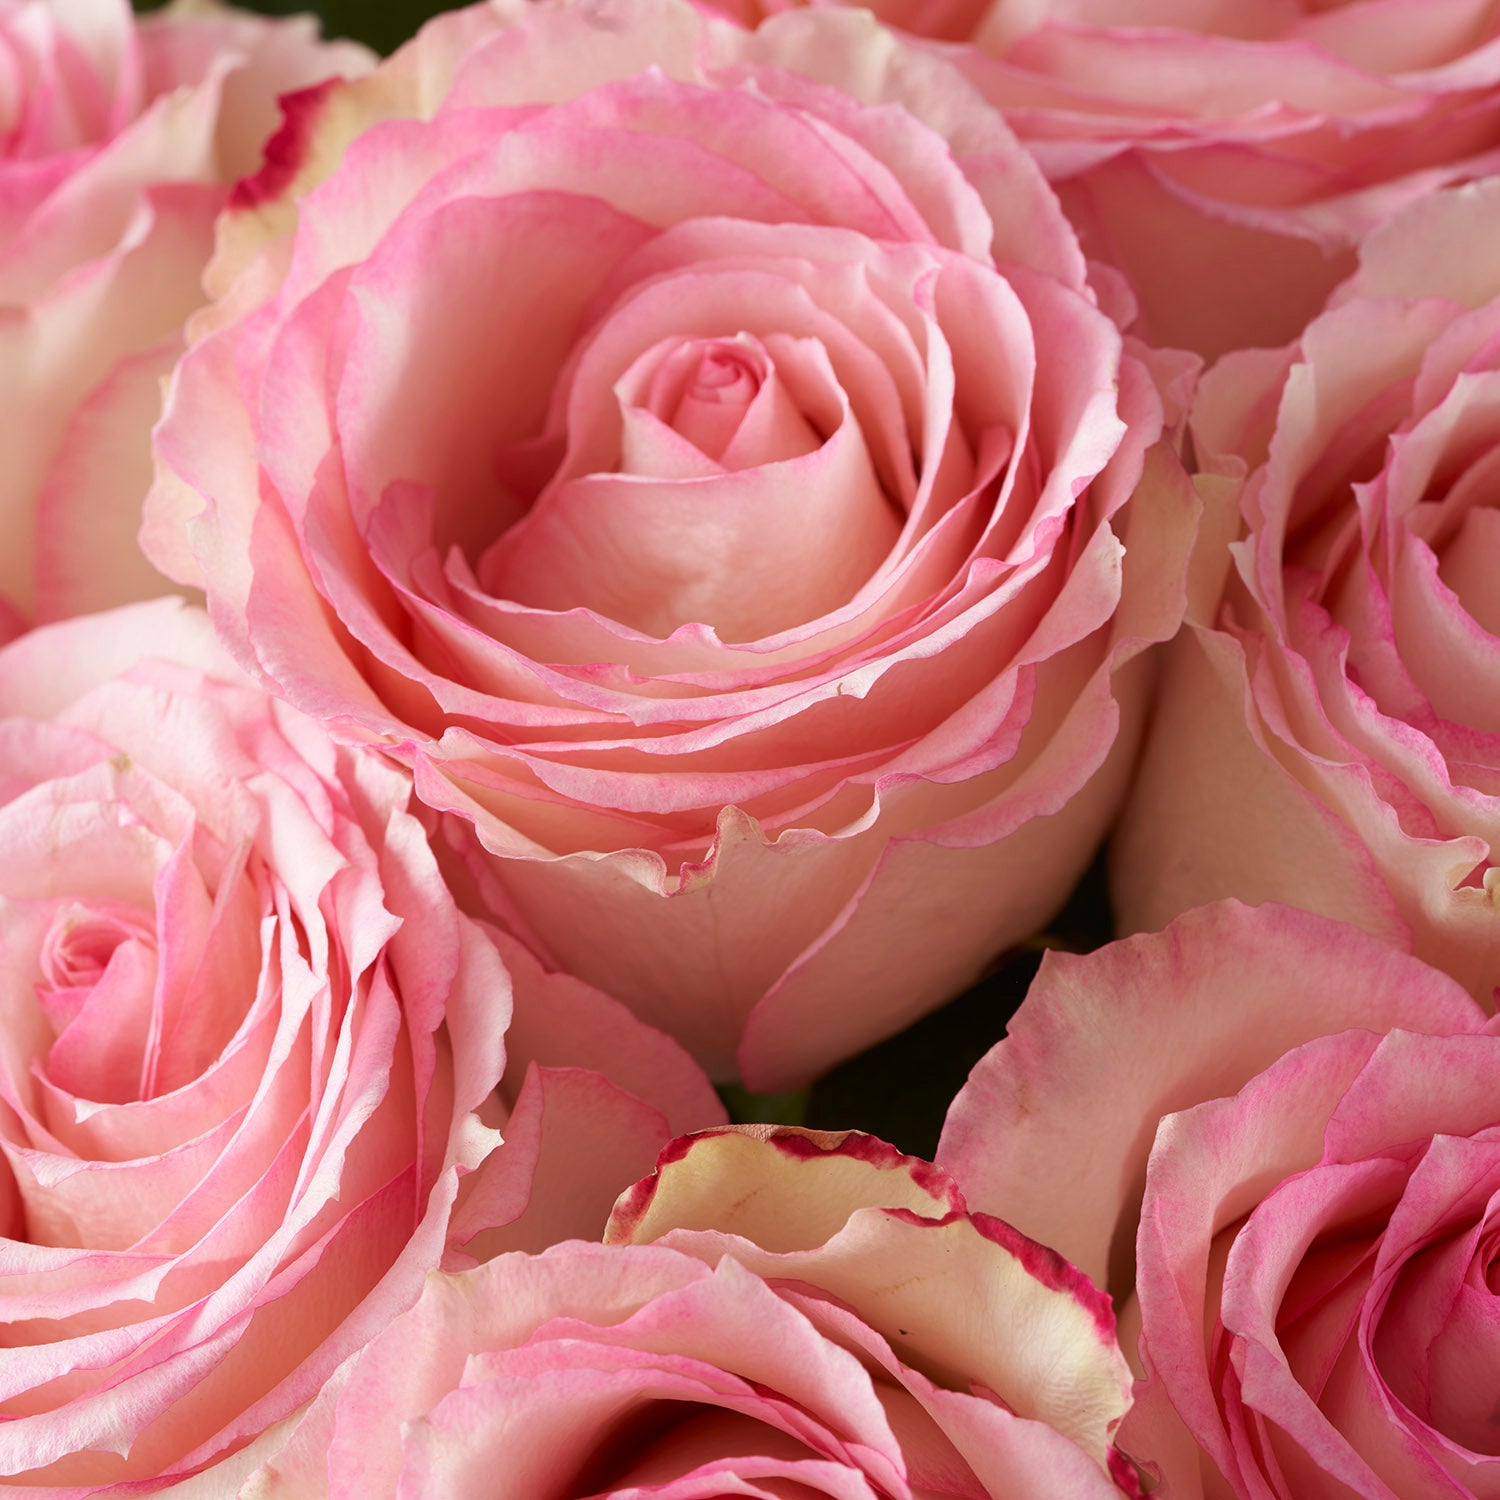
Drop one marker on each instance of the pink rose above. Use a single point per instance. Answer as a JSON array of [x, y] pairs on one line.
[[1334, 739], [754, 580], [778, 1313], [1315, 1263], [118, 143], [1228, 155], [248, 1052]]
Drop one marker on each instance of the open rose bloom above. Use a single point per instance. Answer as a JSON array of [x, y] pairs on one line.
[[1228, 155], [701, 457], [776, 1314], [245, 1032], [1305, 1124], [1334, 740], [118, 145], [248, 1063]]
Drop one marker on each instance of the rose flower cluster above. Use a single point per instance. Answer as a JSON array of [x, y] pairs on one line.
[[561, 585]]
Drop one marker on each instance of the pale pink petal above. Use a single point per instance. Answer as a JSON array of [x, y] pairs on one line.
[[1171, 1020]]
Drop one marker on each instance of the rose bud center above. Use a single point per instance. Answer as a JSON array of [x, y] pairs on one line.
[[732, 487], [96, 979], [80, 944], [713, 402], [724, 397]]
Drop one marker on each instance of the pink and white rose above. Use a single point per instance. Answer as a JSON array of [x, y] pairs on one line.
[[1228, 155], [1305, 1125], [777, 1313], [763, 583], [119, 141], [1330, 735], [249, 1053]]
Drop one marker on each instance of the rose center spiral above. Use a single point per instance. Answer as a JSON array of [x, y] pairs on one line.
[[703, 391], [76, 954]]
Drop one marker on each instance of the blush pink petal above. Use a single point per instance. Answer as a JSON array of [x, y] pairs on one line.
[[1311, 1437], [561, 1022], [600, 1287], [1202, 1008], [55, 351], [846, 52], [571, 1139], [1206, 718]]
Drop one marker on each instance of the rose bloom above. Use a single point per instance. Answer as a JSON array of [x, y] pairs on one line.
[[1228, 156], [249, 1063], [118, 142], [1334, 740], [702, 458], [1305, 1122], [777, 1313]]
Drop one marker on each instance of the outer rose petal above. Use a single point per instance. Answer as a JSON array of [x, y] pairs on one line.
[[79, 515], [1182, 842], [1150, 1026], [59, 349]]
